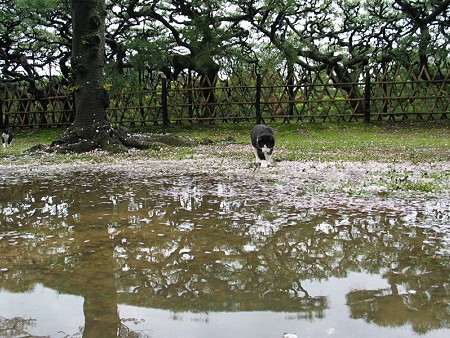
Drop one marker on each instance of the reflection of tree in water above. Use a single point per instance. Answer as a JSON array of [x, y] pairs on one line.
[[15, 327], [417, 296], [207, 247], [241, 266], [42, 242]]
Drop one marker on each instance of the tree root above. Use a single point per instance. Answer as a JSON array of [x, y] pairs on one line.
[[103, 136]]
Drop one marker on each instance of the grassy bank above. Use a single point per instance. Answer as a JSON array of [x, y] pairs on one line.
[[406, 141]]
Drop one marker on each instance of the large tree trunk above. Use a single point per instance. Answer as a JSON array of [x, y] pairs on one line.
[[90, 129], [88, 58]]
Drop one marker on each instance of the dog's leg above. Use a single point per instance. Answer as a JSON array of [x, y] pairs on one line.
[[257, 160]]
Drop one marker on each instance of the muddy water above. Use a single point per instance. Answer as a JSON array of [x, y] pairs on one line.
[[188, 249]]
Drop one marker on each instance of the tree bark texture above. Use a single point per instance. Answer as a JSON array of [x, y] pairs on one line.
[[88, 58]]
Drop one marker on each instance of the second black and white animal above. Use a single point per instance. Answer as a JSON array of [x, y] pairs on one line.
[[263, 142], [7, 137]]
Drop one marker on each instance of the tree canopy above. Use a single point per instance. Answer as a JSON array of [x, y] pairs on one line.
[[212, 36]]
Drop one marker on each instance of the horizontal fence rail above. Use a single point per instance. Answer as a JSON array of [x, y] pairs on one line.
[[364, 94]]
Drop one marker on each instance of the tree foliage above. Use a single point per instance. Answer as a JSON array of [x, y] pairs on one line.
[[211, 36], [35, 38]]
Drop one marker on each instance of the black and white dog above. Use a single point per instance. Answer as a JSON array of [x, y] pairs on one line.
[[263, 141], [7, 137]]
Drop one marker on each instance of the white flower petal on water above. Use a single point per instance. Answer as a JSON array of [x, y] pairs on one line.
[[290, 335], [330, 331]]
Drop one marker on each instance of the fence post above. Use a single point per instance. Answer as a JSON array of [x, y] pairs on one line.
[[164, 93], [367, 96], [1, 113], [258, 99], [290, 91]]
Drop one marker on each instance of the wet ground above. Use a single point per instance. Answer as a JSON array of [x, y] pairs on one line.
[[213, 247]]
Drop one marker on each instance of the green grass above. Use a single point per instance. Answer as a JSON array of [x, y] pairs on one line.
[[24, 139], [405, 141], [416, 142], [378, 142]]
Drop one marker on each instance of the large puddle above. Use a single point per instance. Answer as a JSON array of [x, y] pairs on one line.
[[187, 250]]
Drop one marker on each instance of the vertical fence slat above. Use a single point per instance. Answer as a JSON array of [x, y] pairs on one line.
[[164, 108], [1, 114], [259, 118], [367, 88]]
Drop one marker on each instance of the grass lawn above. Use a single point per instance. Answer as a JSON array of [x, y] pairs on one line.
[[400, 141]]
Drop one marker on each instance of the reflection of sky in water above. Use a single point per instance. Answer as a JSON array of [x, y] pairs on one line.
[[51, 313], [58, 315]]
